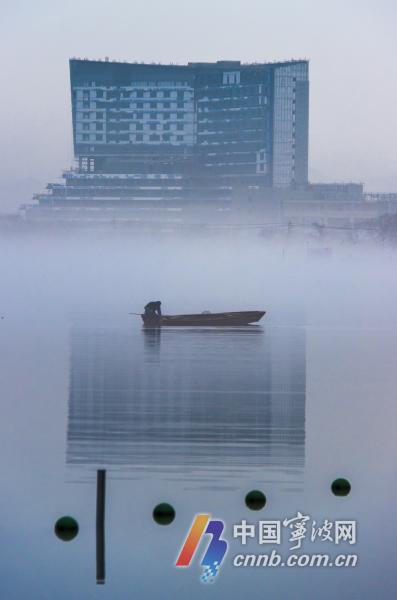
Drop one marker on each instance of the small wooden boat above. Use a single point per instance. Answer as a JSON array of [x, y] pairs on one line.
[[205, 319]]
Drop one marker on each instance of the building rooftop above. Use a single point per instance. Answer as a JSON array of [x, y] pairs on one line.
[[216, 64]]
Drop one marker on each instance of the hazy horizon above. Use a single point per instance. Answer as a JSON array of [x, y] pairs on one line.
[[352, 83]]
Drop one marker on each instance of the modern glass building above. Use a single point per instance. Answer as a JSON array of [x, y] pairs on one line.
[[149, 133]]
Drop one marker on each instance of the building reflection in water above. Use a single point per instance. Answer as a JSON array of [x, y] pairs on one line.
[[192, 404]]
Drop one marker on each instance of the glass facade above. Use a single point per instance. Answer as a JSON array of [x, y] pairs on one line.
[[221, 129], [290, 143]]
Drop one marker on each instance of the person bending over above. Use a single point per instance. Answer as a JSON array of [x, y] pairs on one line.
[[153, 308]]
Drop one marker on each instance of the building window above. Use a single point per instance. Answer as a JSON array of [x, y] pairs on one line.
[[167, 104], [139, 127], [153, 94], [154, 138], [139, 137], [179, 126], [86, 126], [166, 127], [179, 138], [99, 115], [166, 116], [139, 94], [152, 127], [139, 104], [99, 137], [99, 93], [166, 94], [166, 137], [99, 126], [86, 115], [231, 77], [180, 104], [86, 137], [180, 115]]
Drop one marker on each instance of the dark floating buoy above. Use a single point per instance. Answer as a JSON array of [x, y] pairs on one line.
[[66, 528], [255, 500], [340, 487], [164, 513]]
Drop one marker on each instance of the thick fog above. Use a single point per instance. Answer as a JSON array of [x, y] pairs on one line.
[[62, 276], [351, 49], [285, 406], [343, 306]]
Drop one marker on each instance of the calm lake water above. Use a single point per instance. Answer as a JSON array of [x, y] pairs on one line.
[[195, 405], [195, 417]]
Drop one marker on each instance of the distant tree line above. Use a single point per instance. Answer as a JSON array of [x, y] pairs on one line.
[[386, 226]]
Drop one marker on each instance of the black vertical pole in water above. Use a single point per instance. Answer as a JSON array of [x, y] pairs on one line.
[[100, 526]]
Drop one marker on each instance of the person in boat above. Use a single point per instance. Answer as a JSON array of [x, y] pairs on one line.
[[153, 309]]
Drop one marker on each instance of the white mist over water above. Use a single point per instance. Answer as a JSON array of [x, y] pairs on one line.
[[108, 275], [344, 303]]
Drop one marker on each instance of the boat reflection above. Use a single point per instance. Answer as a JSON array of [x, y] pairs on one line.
[[191, 404]]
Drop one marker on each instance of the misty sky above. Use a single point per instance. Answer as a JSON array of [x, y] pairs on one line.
[[351, 46]]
